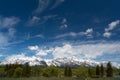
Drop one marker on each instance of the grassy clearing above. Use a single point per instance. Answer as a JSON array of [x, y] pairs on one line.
[[55, 78]]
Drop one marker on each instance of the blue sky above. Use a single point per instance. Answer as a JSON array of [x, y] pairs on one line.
[[49, 29]]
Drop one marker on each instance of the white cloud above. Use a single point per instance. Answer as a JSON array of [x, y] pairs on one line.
[[64, 24], [42, 5], [81, 50], [6, 38], [64, 51], [1, 55], [33, 21], [107, 34], [37, 50], [49, 17], [41, 53], [88, 33], [7, 22], [39, 36], [29, 36], [11, 32], [71, 34], [111, 26], [64, 20], [57, 3], [3, 39], [33, 47]]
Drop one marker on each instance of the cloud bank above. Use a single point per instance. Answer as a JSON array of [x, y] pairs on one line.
[[87, 51]]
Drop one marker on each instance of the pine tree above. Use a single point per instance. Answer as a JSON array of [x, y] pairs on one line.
[[69, 72], [109, 70], [97, 70], [89, 72], [27, 70], [102, 70], [18, 72], [65, 71], [119, 71]]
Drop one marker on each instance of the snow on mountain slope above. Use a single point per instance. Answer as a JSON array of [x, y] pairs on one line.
[[22, 59], [71, 61], [61, 62]]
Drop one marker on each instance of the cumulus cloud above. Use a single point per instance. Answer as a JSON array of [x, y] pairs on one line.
[[33, 47], [85, 51], [107, 34], [88, 33], [81, 50], [37, 50], [111, 27]]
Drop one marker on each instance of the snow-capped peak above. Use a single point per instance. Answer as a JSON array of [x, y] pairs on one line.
[[61, 62]]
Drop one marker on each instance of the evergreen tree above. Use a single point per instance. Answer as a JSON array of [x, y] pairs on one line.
[[102, 70], [18, 72], [65, 71], [81, 72], [97, 70], [36, 71], [109, 70], [89, 72], [69, 72], [119, 71], [27, 70], [51, 71]]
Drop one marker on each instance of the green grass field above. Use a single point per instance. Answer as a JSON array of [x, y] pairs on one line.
[[55, 78]]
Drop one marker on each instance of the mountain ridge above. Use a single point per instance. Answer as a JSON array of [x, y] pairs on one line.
[[60, 62]]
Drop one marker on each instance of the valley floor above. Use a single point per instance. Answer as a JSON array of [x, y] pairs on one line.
[[55, 78]]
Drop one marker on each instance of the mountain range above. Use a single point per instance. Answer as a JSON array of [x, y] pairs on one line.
[[60, 62]]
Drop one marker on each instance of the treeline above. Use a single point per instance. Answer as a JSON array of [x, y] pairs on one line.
[[18, 70]]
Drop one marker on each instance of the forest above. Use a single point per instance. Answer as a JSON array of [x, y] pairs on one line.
[[26, 72]]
